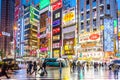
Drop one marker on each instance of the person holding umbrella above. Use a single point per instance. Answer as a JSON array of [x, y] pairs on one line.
[[4, 69]]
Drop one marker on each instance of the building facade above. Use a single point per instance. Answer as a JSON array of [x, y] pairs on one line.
[[92, 15], [6, 24]]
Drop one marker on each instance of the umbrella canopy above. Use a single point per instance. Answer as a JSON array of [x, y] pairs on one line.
[[8, 59], [116, 62], [60, 59]]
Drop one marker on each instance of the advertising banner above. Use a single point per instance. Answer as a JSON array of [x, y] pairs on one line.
[[68, 17], [44, 3], [69, 46], [108, 35], [89, 37]]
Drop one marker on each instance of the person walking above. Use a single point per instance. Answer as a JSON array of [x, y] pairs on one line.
[[44, 66], [74, 65], [40, 65], [116, 71], [70, 63], [34, 68], [29, 68], [3, 70], [78, 66]]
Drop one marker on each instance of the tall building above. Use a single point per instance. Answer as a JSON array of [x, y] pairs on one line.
[[6, 24], [96, 18]]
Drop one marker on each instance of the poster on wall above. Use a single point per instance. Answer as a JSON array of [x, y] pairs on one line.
[[108, 35], [68, 17]]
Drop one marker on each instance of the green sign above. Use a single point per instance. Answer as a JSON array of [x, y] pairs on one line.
[[44, 3], [49, 52], [115, 23]]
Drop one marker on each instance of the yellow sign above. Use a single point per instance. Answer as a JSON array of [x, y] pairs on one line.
[[69, 57], [119, 34], [69, 16], [66, 47], [101, 27]]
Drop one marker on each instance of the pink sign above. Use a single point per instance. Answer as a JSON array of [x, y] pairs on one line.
[[43, 49]]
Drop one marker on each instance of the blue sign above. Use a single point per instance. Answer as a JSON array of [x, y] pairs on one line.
[[108, 35], [56, 23], [68, 4]]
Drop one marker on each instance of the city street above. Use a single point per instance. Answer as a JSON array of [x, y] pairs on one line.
[[53, 74]]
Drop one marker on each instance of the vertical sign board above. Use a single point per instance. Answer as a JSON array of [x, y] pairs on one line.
[[108, 35], [119, 33], [56, 25]]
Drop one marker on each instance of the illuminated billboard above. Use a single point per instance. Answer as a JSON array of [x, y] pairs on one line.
[[68, 4], [57, 5], [108, 35], [68, 17], [44, 3]]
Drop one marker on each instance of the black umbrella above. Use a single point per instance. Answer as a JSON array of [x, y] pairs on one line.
[[8, 59], [116, 62]]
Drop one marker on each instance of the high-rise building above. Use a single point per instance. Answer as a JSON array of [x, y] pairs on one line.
[[6, 24], [92, 25]]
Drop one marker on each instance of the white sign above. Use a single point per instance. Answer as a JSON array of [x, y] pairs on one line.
[[89, 37], [92, 54], [5, 34]]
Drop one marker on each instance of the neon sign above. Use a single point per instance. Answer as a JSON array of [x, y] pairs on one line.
[[57, 5], [56, 30], [53, 1], [44, 3], [56, 23], [68, 17]]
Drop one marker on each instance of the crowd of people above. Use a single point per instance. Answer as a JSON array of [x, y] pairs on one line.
[[39, 67], [34, 67], [77, 65]]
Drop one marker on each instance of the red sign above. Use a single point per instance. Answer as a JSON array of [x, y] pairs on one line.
[[118, 37], [57, 5], [0, 34], [94, 36], [56, 30]]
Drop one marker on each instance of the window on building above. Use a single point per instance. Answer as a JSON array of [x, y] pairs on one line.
[[101, 10], [87, 5], [94, 3], [88, 26], [82, 16], [94, 13], [82, 26], [88, 14], [94, 22], [101, 1], [101, 20], [108, 9], [81, 5]]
